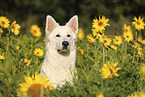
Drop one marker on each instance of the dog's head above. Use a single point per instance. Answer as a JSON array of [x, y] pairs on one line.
[[62, 38]]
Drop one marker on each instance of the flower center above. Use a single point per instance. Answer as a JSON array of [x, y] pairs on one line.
[[127, 36], [13, 27], [125, 30], [25, 62], [97, 32], [34, 90], [111, 71], [35, 31], [138, 22], [3, 23], [116, 40], [38, 53], [100, 23], [105, 41]]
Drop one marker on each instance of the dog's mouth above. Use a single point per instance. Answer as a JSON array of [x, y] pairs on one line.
[[63, 50]]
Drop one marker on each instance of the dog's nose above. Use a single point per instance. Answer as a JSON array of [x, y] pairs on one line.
[[65, 43]]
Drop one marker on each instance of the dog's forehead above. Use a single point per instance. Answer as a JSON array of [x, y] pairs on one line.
[[63, 30]]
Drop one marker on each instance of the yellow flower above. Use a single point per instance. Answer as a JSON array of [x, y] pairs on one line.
[[26, 62], [142, 94], [80, 34], [128, 36], [108, 70], [97, 62], [141, 41], [140, 53], [90, 38], [99, 95], [139, 49], [80, 50], [4, 22], [9, 79], [35, 30], [113, 47], [17, 47], [100, 24], [117, 40], [127, 28], [133, 95], [96, 33], [1, 31], [105, 40], [139, 23], [33, 85], [44, 39], [38, 52], [2, 57], [130, 95], [101, 38], [136, 45], [15, 28]]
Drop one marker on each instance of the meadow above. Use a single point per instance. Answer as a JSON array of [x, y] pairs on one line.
[[108, 66]]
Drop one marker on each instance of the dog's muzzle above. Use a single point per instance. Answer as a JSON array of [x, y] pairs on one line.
[[65, 47], [65, 44]]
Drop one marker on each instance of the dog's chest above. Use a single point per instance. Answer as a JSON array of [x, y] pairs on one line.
[[59, 69], [59, 74]]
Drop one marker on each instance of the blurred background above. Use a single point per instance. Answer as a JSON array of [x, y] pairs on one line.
[[29, 12]]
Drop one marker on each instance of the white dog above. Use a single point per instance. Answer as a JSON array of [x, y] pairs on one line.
[[60, 57]]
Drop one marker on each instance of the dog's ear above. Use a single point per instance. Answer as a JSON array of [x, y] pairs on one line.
[[50, 24], [73, 24]]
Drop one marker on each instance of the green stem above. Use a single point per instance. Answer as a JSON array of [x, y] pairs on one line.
[[8, 37], [137, 47], [134, 48], [136, 36], [126, 48], [103, 49], [103, 54], [1, 32], [134, 55], [87, 51], [95, 49]]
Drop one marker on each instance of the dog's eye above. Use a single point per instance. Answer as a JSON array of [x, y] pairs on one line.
[[68, 35], [57, 35]]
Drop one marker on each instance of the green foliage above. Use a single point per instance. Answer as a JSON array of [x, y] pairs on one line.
[[90, 81], [12, 68]]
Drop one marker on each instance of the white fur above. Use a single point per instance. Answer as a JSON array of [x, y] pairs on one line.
[[60, 66]]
